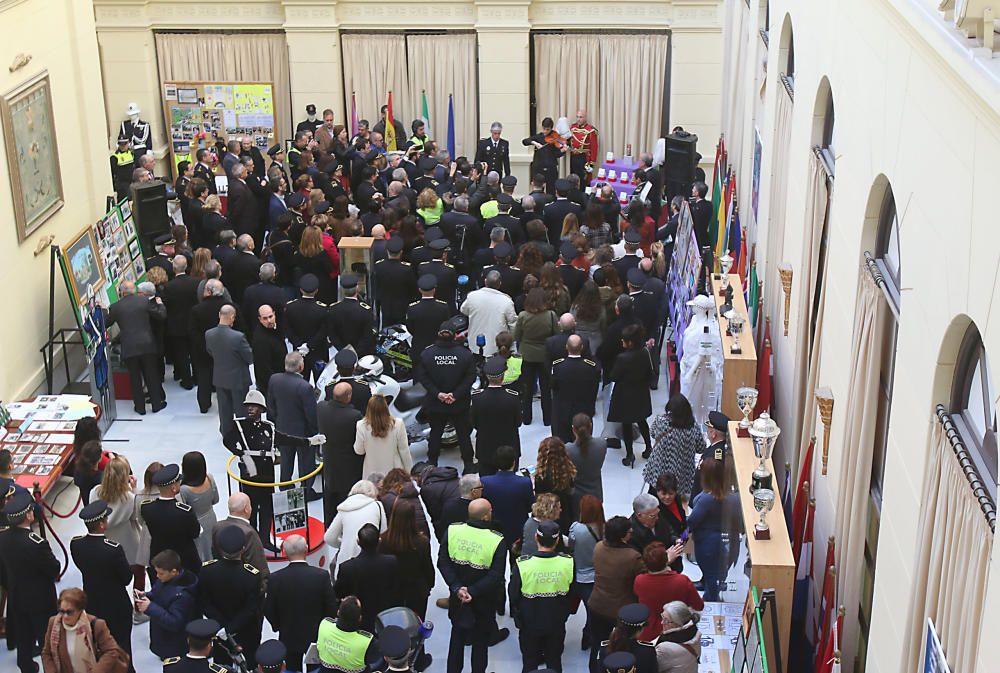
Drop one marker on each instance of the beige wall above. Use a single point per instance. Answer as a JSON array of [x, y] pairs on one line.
[[917, 109], [59, 37]]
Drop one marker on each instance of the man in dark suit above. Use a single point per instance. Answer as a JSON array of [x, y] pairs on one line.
[[291, 405], [240, 511], [463, 232], [242, 269], [494, 151], [701, 213], [510, 493], [264, 292], [572, 277], [299, 597], [268, 345], [554, 213], [203, 170], [134, 315], [337, 420], [655, 180], [373, 577], [205, 316], [244, 211], [180, 295], [231, 359], [575, 381], [366, 189], [555, 345]]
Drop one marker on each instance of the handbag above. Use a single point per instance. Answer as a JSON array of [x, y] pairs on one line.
[[120, 659]]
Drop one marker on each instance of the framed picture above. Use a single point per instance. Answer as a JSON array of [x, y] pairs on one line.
[[128, 274], [139, 267], [129, 228], [133, 248], [84, 264], [29, 135], [126, 209]]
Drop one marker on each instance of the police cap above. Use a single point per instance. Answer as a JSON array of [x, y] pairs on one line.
[[447, 327], [348, 281], [394, 245], [163, 239], [633, 614], [427, 164], [509, 181], [548, 532], [231, 540], [635, 277], [427, 282], [310, 109], [330, 165], [619, 662], [503, 250], [345, 357], [718, 421], [166, 475], [95, 511], [433, 234], [562, 185], [321, 207], [568, 251], [439, 244], [495, 366], [394, 642], [294, 200], [203, 629], [18, 505], [271, 655], [505, 199], [273, 150], [309, 283], [632, 236]]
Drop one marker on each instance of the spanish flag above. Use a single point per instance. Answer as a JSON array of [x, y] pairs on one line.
[[390, 127], [717, 190]]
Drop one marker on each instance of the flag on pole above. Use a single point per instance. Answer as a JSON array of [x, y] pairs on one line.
[[802, 651], [390, 127], [764, 373], [736, 245], [451, 127], [827, 600], [354, 115], [802, 496], [425, 116], [743, 265], [786, 497], [753, 293], [717, 189], [828, 660], [725, 215]]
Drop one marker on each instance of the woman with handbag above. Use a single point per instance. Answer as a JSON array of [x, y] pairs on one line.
[[75, 642], [630, 401], [584, 534]]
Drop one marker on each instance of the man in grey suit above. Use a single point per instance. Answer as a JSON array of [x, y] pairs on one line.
[[291, 406], [231, 359], [135, 315]]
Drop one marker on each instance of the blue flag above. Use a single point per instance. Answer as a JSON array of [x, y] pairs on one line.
[[451, 127]]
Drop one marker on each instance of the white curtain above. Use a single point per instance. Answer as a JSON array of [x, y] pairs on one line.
[[618, 79], [443, 65], [953, 561], [737, 48], [861, 409], [230, 57], [807, 351], [374, 65]]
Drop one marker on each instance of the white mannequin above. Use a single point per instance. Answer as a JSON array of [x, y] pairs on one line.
[[137, 131], [701, 361]]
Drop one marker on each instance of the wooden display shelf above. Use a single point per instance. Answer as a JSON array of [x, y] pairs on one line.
[[772, 565], [739, 369]]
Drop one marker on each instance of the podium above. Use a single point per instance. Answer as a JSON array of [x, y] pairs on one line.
[[356, 258]]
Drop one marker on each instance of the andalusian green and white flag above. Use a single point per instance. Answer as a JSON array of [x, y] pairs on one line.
[[425, 117]]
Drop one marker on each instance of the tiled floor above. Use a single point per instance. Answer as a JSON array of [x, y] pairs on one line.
[[179, 428]]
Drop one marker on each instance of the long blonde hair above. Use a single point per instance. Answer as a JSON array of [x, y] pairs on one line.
[[377, 416], [115, 485]]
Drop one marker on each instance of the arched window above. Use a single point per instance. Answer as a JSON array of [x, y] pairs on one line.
[[887, 255], [786, 53], [823, 126], [973, 408], [764, 18]]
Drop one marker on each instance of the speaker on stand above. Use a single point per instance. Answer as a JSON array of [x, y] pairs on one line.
[[149, 212], [680, 163]]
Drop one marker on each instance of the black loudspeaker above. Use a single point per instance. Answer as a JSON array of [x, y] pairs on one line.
[[682, 157], [149, 212]]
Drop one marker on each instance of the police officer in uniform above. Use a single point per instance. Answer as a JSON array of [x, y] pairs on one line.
[[31, 571], [200, 635], [574, 382], [633, 618], [448, 372], [346, 362], [496, 416], [539, 599], [425, 181], [717, 433], [342, 644], [516, 235], [447, 277], [511, 278], [395, 283], [106, 573], [350, 322], [122, 165], [271, 656], [231, 592], [394, 644], [423, 317], [305, 324], [471, 560], [254, 440], [172, 524]]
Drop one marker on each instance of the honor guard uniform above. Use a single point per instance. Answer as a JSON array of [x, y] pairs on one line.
[[496, 416], [511, 278], [137, 131], [305, 324], [361, 392], [200, 635], [582, 149], [394, 644], [395, 284], [575, 382], [447, 277], [122, 165], [106, 573], [271, 656], [634, 617], [171, 523], [311, 122], [231, 592], [423, 317], [31, 571], [539, 599], [350, 322]]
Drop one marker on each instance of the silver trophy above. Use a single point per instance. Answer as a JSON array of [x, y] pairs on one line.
[[763, 502], [764, 432], [736, 323], [725, 264], [746, 400]]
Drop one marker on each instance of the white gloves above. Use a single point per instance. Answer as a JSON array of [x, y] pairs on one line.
[[303, 350], [317, 440]]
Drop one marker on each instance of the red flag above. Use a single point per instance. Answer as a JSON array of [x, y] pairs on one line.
[[828, 653], [827, 600], [801, 505], [764, 373], [744, 264]]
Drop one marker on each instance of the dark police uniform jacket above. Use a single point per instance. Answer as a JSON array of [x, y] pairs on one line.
[[496, 158], [189, 664], [448, 367], [395, 287], [574, 382], [511, 278], [106, 574], [423, 318], [30, 573], [447, 279], [231, 593], [496, 416], [305, 323], [350, 323], [172, 525]]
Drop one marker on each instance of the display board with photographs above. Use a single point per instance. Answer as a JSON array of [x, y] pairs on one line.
[[685, 268], [200, 113], [289, 510]]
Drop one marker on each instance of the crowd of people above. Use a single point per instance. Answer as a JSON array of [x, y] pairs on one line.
[[565, 297]]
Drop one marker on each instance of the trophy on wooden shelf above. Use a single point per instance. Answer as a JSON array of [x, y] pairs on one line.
[[736, 324], [725, 264], [763, 502], [764, 432], [727, 305], [746, 400]]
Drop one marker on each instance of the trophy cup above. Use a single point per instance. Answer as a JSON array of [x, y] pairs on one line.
[[725, 264], [746, 400], [763, 502], [727, 305], [600, 173], [612, 175], [736, 324], [764, 433]]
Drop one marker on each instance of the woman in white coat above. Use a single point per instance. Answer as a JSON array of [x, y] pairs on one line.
[[678, 648], [381, 439], [117, 488], [361, 506]]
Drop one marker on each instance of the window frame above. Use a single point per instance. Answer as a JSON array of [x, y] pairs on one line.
[[982, 450], [888, 220]]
